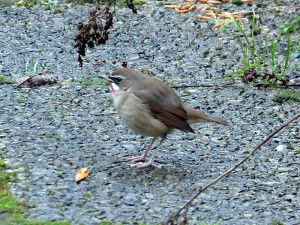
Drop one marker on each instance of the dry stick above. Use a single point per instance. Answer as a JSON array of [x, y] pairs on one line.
[[177, 213], [271, 10], [296, 85], [206, 85]]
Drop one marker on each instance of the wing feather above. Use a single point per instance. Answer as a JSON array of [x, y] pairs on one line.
[[163, 104]]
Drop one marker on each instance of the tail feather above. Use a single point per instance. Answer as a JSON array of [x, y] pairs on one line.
[[195, 116]]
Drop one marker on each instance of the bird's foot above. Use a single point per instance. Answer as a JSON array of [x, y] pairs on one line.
[[146, 164], [136, 159]]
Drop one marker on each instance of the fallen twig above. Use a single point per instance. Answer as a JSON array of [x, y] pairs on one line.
[[259, 85], [273, 10], [183, 210]]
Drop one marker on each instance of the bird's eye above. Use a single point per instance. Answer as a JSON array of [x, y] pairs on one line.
[[116, 80]]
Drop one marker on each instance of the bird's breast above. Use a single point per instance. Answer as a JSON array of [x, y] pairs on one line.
[[137, 116]]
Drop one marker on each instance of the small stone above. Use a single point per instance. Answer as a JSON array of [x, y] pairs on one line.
[[144, 201], [267, 214], [131, 199], [76, 100], [248, 215], [2, 146], [18, 118], [105, 138], [280, 147]]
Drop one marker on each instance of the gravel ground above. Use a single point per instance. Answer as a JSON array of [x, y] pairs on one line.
[[51, 131]]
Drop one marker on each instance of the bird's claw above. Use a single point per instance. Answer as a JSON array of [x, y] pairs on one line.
[[145, 164], [136, 159]]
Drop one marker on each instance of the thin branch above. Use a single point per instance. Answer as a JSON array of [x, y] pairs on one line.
[[258, 85], [176, 215], [273, 10], [206, 85], [296, 86]]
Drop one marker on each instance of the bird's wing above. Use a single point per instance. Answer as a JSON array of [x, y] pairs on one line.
[[164, 105]]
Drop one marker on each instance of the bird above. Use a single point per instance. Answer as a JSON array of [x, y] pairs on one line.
[[151, 108]]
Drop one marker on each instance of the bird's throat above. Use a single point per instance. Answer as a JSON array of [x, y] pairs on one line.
[[114, 89], [113, 93]]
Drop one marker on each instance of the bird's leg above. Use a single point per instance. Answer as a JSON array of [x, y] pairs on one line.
[[151, 161], [140, 158]]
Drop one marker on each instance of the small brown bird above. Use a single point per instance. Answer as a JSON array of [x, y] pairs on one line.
[[151, 108]]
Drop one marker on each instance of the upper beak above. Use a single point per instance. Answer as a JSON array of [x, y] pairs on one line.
[[106, 78]]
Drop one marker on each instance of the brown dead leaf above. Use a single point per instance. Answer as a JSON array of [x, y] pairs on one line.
[[37, 80], [82, 174]]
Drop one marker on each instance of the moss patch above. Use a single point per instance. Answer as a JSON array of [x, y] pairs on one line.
[[287, 95], [90, 81], [10, 210], [5, 80]]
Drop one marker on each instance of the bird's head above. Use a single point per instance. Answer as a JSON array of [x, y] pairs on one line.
[[123, 79]]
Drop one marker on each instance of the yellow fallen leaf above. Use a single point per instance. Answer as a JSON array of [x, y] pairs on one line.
[[203, 17], [82, 174], [214, 2], [170, 6], [20, 3]]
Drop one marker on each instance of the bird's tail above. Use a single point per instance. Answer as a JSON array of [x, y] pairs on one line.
[[195, 116]]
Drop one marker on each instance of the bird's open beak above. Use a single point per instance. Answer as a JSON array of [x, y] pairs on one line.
[[106, 78]]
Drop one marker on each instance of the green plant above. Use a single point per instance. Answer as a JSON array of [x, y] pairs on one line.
[[237, 2], [56, 11], [277, 223], [291, 27], [286, 95], [204, 222], [89, 81], [261, 58], [47, 4], [5, 80], [135, 2], [47, 7], [31, 66], [20, 101]]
